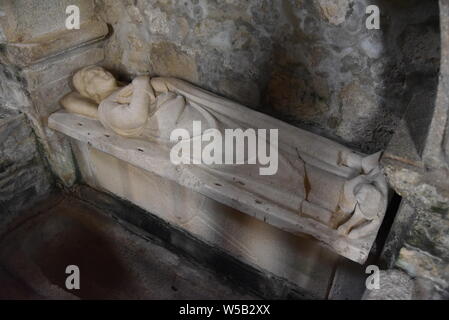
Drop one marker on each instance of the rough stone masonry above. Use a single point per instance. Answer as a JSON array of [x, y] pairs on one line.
[[23, 175], [311, 63]]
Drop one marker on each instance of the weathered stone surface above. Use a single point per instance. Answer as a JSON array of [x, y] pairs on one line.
[[425, 253], [398, 234], [286, 208], [37, 50], [15, 96], [430, 232], [49, 81], [420, 189], [408, 175], [12, 93], [117, 260], [360, 109], [297, 96], [39, 55], [23, 176], [296, 60], [422, 264], [25, 20], [437, 148], [334, 11], [348, 282], [251, 241], [409, 159], [167, 60], [394, 285], [424, 241], [427, 290], [308, 62]]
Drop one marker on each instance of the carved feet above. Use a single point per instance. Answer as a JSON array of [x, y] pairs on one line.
[[366, 198]]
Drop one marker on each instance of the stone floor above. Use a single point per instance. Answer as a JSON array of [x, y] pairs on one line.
[[114, 262]]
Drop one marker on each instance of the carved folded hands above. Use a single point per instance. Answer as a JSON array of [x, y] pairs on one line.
[[126, 110]]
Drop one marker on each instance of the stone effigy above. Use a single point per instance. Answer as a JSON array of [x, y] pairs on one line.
[[319, 187]]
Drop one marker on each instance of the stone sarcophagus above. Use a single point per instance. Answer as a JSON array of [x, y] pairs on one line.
[[216, 149]]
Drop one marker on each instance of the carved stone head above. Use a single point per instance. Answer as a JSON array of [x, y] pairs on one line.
[[95, 83]]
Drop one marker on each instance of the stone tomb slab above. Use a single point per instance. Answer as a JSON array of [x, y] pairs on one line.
[[154, 159]]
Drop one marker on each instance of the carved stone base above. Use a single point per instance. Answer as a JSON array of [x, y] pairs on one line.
[[150, 159]]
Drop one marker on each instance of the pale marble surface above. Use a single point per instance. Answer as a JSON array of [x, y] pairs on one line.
[[154, 159], [321, 188], [300, 260]]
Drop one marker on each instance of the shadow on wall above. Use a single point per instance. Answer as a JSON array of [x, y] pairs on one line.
[[312, 63], [352, 84], [411, 73]]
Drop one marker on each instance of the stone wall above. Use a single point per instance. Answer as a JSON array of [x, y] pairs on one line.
[[425, 255], [417, 251], [311, 63], [416, 166], [23, 176], [38, 56]]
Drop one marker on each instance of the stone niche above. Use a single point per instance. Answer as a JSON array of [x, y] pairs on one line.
[[311, 64], [416, 166], [323, 195]]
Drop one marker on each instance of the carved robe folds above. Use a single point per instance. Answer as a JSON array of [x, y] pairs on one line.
[[321, 188]]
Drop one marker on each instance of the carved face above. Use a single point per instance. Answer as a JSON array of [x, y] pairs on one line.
[[95, 83]]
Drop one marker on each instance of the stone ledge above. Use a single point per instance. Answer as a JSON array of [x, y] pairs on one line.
[[38, 49], [155, 159], [407, 174]]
